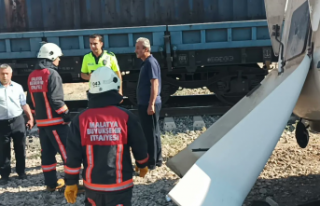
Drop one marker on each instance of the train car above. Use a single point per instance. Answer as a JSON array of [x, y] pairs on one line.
[[212, 43]]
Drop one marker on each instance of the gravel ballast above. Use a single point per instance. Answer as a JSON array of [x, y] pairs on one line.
[[290, 177]]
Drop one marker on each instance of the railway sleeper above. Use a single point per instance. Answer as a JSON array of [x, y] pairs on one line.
[[170, 125]]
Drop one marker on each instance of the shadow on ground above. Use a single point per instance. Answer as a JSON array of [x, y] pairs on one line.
[[33, 180], [291, 191], [31, 192]]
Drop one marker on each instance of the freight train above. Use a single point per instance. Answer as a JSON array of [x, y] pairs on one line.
[[198, 43], [222, 165]]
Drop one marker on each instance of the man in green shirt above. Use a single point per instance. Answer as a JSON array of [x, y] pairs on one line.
[[98, 58]]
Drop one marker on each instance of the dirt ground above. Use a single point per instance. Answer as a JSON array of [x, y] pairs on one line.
[[291, 175], [75, 91]]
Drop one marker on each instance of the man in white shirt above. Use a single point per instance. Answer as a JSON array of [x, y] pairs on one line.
[[12, 124]]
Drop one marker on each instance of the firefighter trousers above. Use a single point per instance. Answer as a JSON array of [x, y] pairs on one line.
[[52, 139], [118, 198]]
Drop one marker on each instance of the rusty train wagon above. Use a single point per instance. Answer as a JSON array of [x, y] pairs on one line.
[[212, 43]]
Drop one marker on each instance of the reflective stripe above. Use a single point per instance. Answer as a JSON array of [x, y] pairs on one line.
[[109, 187], [49, 122], [91, 201], [72, 171], [119, 163], [48, 108], [49, 168], [32, 99], [62, 109], [90, 162], [61, 146], [144, 160]]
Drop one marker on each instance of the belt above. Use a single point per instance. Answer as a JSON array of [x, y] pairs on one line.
[[9, 120]]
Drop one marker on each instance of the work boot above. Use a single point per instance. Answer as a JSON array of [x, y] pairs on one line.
[[152, 167], [81, 189], [4, 180], [23, 176], [60, 185], [159, 164]]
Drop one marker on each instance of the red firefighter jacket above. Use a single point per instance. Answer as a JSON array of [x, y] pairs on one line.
[[45, 95], [100, 137]]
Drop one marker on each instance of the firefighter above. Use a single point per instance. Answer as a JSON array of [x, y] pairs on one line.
[[46, 99], [100, 137]]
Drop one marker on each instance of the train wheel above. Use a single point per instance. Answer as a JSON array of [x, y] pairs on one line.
[[228, 90], [229, 100], [233, 88], [302, 134]]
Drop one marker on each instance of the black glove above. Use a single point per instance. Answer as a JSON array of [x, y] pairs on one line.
[[66, 116]]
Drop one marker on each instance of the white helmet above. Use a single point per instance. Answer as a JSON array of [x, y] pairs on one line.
[[103, 79], [50, 51]]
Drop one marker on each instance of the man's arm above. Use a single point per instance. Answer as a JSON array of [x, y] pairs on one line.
[[154, 91], [74, 153], [28, 112], [56, 96], [84, 70], [153, 74], [26, 108], [137, 141], [120, 77], [85, 76], [30, 103]]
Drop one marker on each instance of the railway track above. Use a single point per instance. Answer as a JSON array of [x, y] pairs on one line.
[[195, 106], [188, 105]]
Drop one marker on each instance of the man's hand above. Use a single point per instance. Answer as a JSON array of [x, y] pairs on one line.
[[143, 171], [151, 110], [120, 92], [70, 193], [66, 118], [30, 124], [85, 76], [29, 114]]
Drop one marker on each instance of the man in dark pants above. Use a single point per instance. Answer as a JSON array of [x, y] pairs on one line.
[[149, 100], [46, 96], [12, 124]]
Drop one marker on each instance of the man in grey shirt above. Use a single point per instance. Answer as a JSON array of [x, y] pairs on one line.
[[12, 124]]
